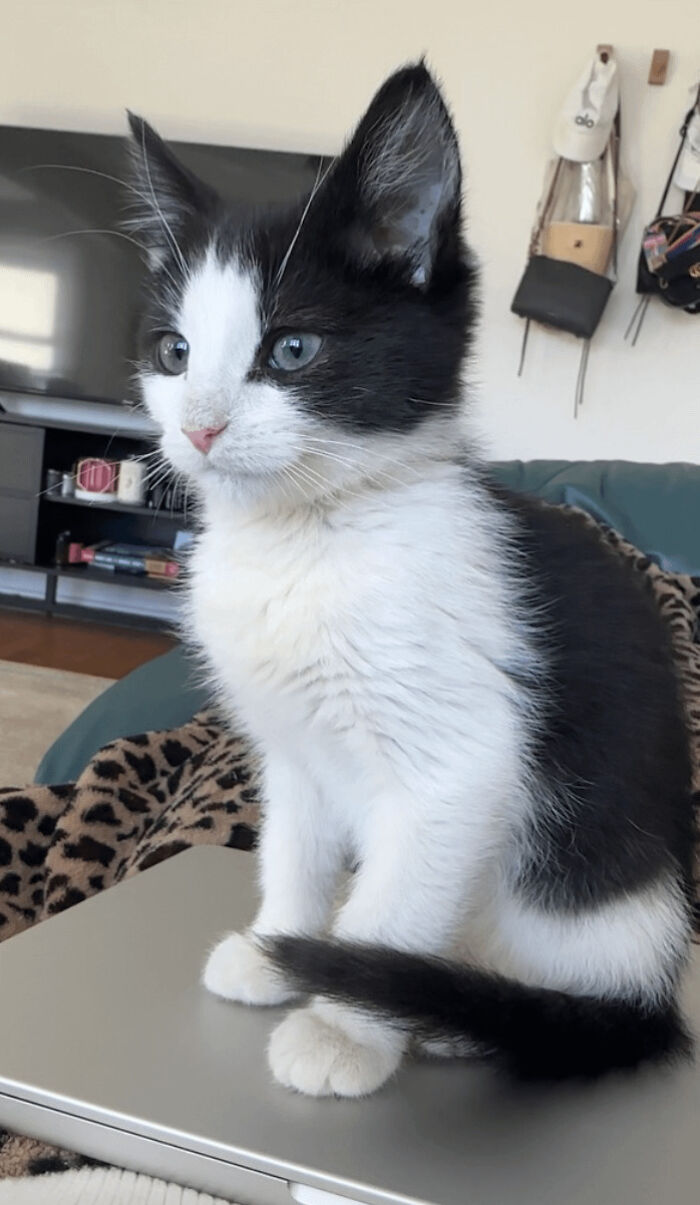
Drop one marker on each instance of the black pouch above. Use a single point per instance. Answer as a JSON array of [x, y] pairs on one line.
[[679, 281], [563, 295], [676, 282]]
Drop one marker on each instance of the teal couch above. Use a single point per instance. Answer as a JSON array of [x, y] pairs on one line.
[[657, 507]]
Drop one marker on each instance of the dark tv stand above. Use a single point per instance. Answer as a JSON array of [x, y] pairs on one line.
[[31, 519]]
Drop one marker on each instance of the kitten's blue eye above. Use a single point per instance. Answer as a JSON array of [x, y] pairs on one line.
[[172, 353], [294, 351]]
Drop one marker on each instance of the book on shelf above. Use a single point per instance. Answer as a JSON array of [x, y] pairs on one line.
[[116, 564], [140, 560]]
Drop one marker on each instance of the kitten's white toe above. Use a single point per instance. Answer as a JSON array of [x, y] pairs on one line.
[[238, 970], [313, 1055]]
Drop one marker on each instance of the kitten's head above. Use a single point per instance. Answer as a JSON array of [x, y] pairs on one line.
[[297, 350]]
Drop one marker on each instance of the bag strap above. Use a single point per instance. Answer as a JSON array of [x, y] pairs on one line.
[[683, 135], [539, 226], [581, 378], [615, 152]]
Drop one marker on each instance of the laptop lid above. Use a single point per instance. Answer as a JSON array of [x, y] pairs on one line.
[[109, 1044]]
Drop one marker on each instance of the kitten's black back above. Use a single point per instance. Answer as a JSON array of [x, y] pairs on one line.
[[613, 742]]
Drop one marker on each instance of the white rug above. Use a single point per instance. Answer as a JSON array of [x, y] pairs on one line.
[[36, 704], [99, 1186]]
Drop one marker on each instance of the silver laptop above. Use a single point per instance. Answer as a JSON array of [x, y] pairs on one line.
[[109, 1045]]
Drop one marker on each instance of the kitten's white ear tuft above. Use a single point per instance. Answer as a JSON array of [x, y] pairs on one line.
[[402, 166], [164, 196]]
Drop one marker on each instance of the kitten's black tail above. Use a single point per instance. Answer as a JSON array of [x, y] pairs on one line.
[[537, 1033]]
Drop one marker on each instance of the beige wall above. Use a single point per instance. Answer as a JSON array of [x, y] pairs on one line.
[[297, 74]]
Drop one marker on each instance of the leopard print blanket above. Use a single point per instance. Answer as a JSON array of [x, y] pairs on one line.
[[145, 798]]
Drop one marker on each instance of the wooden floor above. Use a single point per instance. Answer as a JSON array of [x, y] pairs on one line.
[[85, 648]]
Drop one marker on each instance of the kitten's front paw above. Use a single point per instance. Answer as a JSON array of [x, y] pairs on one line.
[[310, 1053], [238, 970]]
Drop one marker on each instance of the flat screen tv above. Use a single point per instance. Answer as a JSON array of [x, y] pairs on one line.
[[69, 287]]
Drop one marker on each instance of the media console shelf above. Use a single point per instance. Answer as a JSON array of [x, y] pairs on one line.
[[31, 519], [150, 511]]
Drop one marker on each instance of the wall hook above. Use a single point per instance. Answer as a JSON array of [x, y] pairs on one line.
[[659, 66]]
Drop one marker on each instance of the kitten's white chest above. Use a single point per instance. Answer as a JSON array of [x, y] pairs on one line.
[[272, 607]]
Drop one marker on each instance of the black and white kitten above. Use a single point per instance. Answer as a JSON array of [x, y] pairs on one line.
[[458, 691]]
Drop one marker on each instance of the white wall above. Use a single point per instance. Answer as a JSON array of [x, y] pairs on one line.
[[297, 74]]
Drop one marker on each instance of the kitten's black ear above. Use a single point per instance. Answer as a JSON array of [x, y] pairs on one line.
[[164, 195], [402, 175]]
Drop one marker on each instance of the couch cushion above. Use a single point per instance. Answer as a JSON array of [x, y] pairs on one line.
[[654, 506], [159, 694]]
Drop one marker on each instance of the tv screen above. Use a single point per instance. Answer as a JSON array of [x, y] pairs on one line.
[[69, 285]]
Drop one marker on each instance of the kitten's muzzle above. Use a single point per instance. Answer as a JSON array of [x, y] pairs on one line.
[[204, 437]]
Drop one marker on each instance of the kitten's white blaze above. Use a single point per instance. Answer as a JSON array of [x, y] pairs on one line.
[[219, 318]]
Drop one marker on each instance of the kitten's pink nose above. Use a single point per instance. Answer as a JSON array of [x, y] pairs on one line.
[[204, 437]]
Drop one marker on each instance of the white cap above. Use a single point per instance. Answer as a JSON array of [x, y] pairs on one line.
[[687, 173], [584, 125]]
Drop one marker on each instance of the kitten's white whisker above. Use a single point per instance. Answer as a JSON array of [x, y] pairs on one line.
[[312, 477], [320, 177], [325, 454], [282, 479], [345, 488], [366, 473], [51, 238], [293, 472], [366, 450], [341, 443], [157, 477], [90, 171]]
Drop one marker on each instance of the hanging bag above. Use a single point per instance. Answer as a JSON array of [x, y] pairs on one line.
[[558, 292], [669, 260], [566, 295]]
